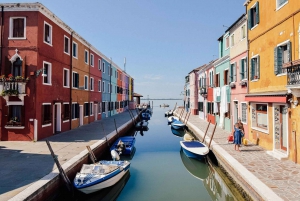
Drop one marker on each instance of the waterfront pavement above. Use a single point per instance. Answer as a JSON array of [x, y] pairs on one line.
[[24, 163], [271, 178]]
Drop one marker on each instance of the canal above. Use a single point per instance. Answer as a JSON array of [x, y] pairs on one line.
[[161, 171]]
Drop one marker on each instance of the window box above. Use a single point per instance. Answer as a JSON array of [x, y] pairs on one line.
[[232, 84], [243, 83]]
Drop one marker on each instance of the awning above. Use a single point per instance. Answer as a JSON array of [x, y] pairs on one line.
[[267, 97]]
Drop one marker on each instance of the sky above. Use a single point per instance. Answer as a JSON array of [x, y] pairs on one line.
[[162, 40]]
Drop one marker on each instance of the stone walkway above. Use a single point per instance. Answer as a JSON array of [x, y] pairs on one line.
[[23, 163], [281, 177]]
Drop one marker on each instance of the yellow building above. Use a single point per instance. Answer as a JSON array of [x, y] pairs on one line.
[[273, 41]]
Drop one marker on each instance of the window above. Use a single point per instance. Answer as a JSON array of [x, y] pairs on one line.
[[226, 77], [227, 42], [75, 110], [66, 111], [108, 69], [243, 31], [209, 108], [75, 50], [244, 113], [92, 84], [86, 82], [86, 57], [47, 33], [281, 3], [282, 54], [66, 45], [243, 68], [227, 114], [99, 85], [15, 115], [86, 109], [91, 108], [92, 60], [103, 107], [255, 68], [259, 114], [211, 79], [46, 113], [253, 16], [17, 28], [233, 72], [117, 75], [217, 80], [232, 40], [103, 67], [99, 64], [99, 108], [17, 67], [103, 86], [200, 106], [75, 80], [108, 87], [66, 77], [46, 73]]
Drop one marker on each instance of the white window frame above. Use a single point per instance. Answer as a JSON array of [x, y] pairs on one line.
[[99, 64], [241, 114], [254, 80], [65, 103], [73, 103], [84, 115], [91, 84], [103, 86], [257, 128], [49, 73], [99, 85], [10, 36], [225, 37], [46, 125], [68, 78], [74, 72], [50, 43], [86, 82], [92, 60], [254, 5], [103, 67], [68, 53], [232, 40], [86, 57], [76, 50], [244, 25], [282, 44], [246, 76], [278, 7], [91, 108]]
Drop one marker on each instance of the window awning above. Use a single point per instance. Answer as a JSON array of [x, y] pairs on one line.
[[268, 97]]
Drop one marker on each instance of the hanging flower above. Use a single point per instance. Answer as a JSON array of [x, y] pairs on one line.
[[2, 78], [10, 77]]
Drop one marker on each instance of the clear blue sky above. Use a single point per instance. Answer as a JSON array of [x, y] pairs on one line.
[[162, 40]]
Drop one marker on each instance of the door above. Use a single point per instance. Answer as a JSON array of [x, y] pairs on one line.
[[106, 109], [80, 115], [283, 125], [96, 112], [235, 112], [57, 118]]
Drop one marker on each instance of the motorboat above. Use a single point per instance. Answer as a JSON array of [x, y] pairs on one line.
[[124, 145], [142, 124], [194, 148], [177, 125], [164, 105], [178, 132], [146, 116], [172, 119], [168, 113], [97, 176]]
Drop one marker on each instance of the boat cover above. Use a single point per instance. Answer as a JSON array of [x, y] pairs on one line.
[[193, 144], [97, 169]]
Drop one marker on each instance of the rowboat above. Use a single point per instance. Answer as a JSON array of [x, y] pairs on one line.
[[124, 145], [177, 125], [194, 149]]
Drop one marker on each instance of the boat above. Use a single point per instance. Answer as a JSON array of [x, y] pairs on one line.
[[194, 149], [172, 119], [178, 132], [97, 176], [196, 168], [177, 125], [146, 116], [164, 105], [124, 145], [142, 124], [168, 113]]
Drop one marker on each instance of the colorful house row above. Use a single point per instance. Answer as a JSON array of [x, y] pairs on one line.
[[53, 80], [256, 78]]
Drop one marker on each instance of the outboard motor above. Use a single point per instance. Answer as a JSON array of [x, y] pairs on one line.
[[120, 147], [115, 156]]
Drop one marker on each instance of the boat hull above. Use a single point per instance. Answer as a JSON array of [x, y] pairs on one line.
[[194, 149], [192, 155]]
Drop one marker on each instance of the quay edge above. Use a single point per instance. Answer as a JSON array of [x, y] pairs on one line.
[[243, 179], [50, 184]]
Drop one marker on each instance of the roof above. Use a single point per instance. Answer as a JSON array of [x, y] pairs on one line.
[[240, 18], [137, 95], [197, 69]]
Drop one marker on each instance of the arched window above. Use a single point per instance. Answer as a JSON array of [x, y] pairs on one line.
[[17, 67]]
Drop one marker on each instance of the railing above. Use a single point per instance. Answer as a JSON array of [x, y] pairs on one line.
[[293, 75], [12, 88]]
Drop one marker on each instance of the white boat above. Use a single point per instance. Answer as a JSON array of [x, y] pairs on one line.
[[172, 119], [164, 105], [194, 148], [168, 113], [94, 177], [177, 125]]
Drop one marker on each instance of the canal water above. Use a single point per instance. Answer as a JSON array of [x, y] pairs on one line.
[[161, 171]]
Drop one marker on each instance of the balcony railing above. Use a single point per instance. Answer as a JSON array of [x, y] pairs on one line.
[[293, 75], [12, 88]]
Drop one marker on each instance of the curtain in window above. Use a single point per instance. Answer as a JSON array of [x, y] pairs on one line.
[[18, 28]]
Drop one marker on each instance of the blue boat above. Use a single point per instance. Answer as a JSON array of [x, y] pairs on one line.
[[124, 145], [146, 116], [194, 149], [177, 132], [177, 125], [172, 119]]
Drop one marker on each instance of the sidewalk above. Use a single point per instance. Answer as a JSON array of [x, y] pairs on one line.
[[24, 163], [264, 177]]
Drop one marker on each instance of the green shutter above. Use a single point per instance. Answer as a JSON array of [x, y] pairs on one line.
[[258, 67], [249, 19], [289, 51], [246, 68], [234, 72], [257, 12], [252, 69], [276, 60], [241, 69]]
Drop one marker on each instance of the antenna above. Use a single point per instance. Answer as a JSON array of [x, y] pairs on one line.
[[125, 64]]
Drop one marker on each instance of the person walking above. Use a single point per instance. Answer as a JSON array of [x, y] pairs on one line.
[[237, 137]]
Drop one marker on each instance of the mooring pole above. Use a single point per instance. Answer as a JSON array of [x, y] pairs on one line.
[[116, 128], [61, 170], [182, 112], [105, 135], [130, 116], [175, 107], [206, 131], [185, 117], [212, 135], [134, 121], [188, 117], [91, 154]]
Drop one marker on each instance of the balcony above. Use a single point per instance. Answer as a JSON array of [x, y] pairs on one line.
[[13, 88], [293, 77]]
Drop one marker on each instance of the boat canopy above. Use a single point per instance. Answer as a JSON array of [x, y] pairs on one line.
[[97, 169]]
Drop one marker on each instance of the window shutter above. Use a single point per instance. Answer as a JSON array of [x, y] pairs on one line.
[[241, 69], [7, 67], [257, 12], [23, 67], [234, 72], [77, 80], [249, 19], [42, 119], [230, 73], [289, 51], [252, 69], [215, 80], [276, 60], [258, 67], [246, 68]]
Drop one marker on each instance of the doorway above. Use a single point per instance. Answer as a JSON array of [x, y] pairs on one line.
[[235, 111], [80, 115], [57, 118], [281, 127]]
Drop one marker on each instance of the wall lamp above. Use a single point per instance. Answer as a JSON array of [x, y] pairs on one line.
[[38, 72]]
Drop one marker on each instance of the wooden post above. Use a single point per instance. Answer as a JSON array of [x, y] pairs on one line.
[[182, 111], [116, 128], [188, 117], [130, 115], [212, 135], [185, 117], [174, 107], [61, 171], [105, 135], [91, 154], [206, 131]]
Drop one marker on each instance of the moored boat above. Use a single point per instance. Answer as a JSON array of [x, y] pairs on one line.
[[194, 148], [124, 145], [177, 125], [168, 113], [146, 116], [177, 132], [141, 124], [172, 119]]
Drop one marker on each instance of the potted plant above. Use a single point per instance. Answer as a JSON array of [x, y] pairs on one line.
[[19, 79], [10, 78]]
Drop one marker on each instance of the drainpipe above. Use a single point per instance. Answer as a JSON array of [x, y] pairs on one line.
[[110, 88], [70, 80], [89, 96], [2, 15]]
